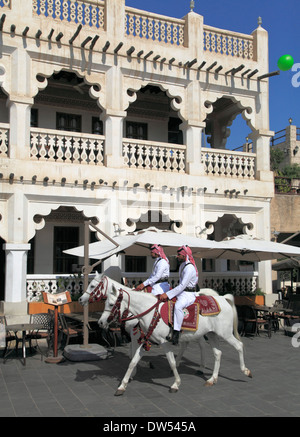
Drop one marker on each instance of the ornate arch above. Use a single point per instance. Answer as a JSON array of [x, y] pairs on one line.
[[245, 105], [38, 213], [240, 224], [42, 71], [132, 86]]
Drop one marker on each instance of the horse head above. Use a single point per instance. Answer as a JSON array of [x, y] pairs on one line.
[[111, 308], [96, 290]]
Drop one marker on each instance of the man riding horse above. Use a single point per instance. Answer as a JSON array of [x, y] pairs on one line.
[[159, 277], [185, 291]]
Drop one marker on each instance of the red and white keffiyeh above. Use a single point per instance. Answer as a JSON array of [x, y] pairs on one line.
[[188, 255], [156, 248]]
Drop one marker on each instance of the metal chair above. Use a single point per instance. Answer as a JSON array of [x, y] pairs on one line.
[[251, 322], [7, 337], [45, 333], [68, 330]]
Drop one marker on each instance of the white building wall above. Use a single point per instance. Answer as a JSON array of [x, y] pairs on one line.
[[193, 91]]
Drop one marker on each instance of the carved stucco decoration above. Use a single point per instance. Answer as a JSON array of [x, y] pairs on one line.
[[42, 71]]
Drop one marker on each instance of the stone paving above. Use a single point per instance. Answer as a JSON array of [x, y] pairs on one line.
[[86, 389]]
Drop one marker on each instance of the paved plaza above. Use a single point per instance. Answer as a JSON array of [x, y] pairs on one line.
[[86, 389]]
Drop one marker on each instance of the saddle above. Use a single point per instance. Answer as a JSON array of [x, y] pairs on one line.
[[203, 305]]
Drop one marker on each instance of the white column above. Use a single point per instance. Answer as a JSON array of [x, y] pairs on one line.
[[113, 138], [192, 134], [16, 268], [19, 133], [261, 142], [265, 276]]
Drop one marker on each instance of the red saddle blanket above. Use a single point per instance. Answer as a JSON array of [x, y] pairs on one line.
[[203, 305]]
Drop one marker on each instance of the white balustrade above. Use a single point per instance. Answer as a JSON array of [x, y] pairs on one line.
[[86, 12], [230, 282], [147, 25], [237, 283], [150, 155], [67, 147], [154, 27], [228, 43], [228, 163], [37, 284], [4, 135]]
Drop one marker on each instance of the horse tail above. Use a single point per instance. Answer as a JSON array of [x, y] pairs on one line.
[[230, 300]]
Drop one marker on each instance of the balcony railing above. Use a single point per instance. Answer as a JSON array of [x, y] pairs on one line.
[[4, 137], [82, 148], [228, 163], [149, 26], [237, 283], [37, 284], [149, 155], [228, 43], [66, 147], [154, 27], [85, 12]]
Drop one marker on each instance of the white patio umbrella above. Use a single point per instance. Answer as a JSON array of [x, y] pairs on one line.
[[139, 243], [247, 248]]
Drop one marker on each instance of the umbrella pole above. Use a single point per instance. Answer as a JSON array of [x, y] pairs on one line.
[[86, 283], [86, 271]]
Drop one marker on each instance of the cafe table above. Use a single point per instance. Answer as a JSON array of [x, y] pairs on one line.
[[22, 327]]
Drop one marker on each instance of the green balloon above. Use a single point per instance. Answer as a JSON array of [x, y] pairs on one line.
[[285, 62]]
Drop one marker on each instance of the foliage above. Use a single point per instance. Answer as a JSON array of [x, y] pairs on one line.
[[291, 171], [276, 158], [259, 292]]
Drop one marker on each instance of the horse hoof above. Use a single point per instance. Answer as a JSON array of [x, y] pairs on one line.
[[209, 383], [173, 390], [119, 392], [250, 375]]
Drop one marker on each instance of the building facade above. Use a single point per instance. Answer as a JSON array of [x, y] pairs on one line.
[[103, 114]]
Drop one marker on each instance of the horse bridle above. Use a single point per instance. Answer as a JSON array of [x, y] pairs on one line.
[[116, 309], [98, 294]]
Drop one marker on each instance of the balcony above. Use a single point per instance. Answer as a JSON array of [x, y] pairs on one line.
[[87, 149]]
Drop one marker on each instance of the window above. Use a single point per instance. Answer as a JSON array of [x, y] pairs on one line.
[[34, 117], [68, 122], [207, 265], [64, 238], [174, 133], [97, 126], [135, 263], [138, 131]]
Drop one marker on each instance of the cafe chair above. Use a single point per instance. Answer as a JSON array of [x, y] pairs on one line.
[[251, 321], [44, 333], [68, 330], [7, 337]]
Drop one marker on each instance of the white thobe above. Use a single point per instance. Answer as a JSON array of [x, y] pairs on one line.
[[187, 279], [161, 269]]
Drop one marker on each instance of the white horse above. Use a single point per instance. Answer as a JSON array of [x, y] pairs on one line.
[[98, 288], [120, 299]]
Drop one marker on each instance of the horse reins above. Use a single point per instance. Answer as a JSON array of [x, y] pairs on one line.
[[116, 312]]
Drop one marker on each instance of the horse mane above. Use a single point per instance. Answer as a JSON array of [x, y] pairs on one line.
[[118, 286]]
